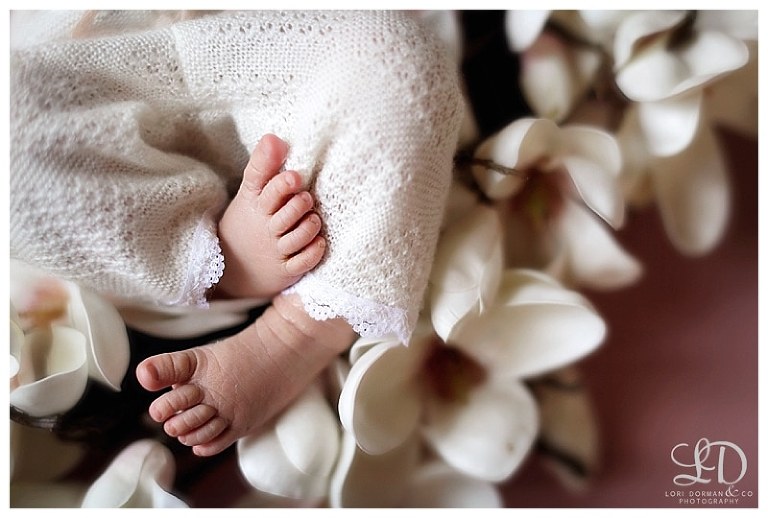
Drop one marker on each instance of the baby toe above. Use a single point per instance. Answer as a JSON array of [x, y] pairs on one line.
[[307, 258], [217, 445], [175, 401], [291, 213], [278, 191], [266, 160], [205, 433], [189, 420], [301, 236], [164, 370]]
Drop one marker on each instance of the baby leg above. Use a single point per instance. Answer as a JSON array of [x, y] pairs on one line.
[[269, 235], [226, 390]]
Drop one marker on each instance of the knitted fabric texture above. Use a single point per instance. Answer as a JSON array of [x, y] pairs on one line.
[[130, 132]]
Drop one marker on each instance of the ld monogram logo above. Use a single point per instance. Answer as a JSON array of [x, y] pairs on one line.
[[701, 452]]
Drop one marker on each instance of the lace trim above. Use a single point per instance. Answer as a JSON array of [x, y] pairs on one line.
[[207, 265], [323, 301]]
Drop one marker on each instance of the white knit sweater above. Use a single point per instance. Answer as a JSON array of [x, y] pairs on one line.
[[130, 132]]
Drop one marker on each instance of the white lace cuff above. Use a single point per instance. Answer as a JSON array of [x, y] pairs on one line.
[[206, 265], [323, 301]]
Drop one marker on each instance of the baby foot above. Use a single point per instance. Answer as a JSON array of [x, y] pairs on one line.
[[269, 234], [226, 390]]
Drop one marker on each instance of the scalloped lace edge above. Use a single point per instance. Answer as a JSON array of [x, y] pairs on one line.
[[207, 265], [323, 301]]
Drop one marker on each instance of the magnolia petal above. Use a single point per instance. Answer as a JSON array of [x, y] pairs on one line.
[[265, 466], [103, 327], [140, 476], [595, 258], [23, 281], [693, 195], [534, 328], [740, 24], [638, 27], [380, 402], [28, 495], [517, 146], [467, 269], [568, 426], [363, 344], [600, 25], [309, 434], [658, 74], [597, 187], [555, 77], [488, 436], [523, 27], [523, 286], [547, 78], [14, 366], [187, 322], [594, 145], [436, 484], [53, 372], [711, 56], [17, 342], [670, 125], [362, 480], [335, 376], [37, 455]]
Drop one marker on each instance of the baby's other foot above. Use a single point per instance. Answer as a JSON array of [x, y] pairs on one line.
[[229, 389], [270, 236]]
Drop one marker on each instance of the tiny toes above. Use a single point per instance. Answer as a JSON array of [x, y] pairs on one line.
[[189, 420], [278, 190], [162, 371], [175, 401], [307, 258], [206, 433], [289, 214], [301, 236], [265, 162], [217, 445]]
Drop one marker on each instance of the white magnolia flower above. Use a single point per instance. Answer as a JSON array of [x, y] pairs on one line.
[[691, 189], [140, 476], [562, 56], [557, 181], [295, 458], [401, 478], [523, 26], [61, 335], [466, 397], [555, 75], [663, 61]]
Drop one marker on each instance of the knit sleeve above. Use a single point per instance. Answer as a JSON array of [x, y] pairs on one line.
[[105, 188], [370, 105]]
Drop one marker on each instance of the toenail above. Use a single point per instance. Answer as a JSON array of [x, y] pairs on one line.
[[291, 179]]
